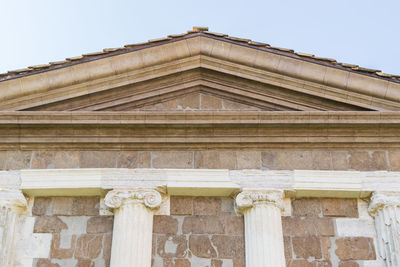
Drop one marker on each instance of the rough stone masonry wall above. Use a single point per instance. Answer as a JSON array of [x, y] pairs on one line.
[[201, 231], [80, 237], [329, 232], [362, 160]]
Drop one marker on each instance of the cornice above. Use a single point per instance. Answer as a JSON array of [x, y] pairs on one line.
[[198, 130]]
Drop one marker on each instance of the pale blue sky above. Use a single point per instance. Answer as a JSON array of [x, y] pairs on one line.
[[366, 32]]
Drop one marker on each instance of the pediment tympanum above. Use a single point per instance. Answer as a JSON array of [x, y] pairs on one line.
[[248, 73]]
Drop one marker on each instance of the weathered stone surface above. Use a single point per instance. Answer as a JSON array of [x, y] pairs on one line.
[[227, 160], [62, 253], [85, 263], [17, 160], [340, 207], [100, 224], [207, 159], [181, 205], [228, 247], [325, 246], [308, 246], [165, 225], [172, 159], [287, 241], [306, 207], [307, 226], [169, 246], [133, 159], [339, 160], [89, 246], [49, 224], [348, 264], [41, 206], [305, 263], [182, 263], [321, 160], [216, 263], [203, 225], [107, 241], [394, 159], [355, 248], [248, 159], [43, 160], [66, 159], [98, 159], [234, 225], [210, 102], [201, 247], [286, 160], [367, 161], [46, 263], [206, 206], [76, 206]]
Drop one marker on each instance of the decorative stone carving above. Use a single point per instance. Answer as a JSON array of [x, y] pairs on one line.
[[133, 225], [385, 207], [149, 197], [263, 227], [11, 202]]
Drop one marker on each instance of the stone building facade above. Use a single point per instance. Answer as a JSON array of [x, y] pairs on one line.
[[195, 150]]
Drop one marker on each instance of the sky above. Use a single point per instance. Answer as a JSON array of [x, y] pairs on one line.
[[362, 32]]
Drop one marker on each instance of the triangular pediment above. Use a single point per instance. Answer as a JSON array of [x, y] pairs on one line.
[[198, 72]]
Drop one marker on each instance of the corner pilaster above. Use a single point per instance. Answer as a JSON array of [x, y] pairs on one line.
[[12, 203], [385, 208], [262, 210]]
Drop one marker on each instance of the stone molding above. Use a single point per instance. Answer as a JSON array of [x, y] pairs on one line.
[[10, 198], [249, 198], [380, 200], [118, 197]]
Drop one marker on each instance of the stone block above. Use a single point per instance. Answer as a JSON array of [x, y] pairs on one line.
[[201, 247], [340, 207], [210, 102], [227, 160], [107, 241], [228, 247], [17, 160], [89, 246], [100, 224], [66, 159], [307, 207], [133, 159], [355, 248], [57, 252], [394, 159], [287, 160], [307, 226], [49, 224], [76, 206], [41, 206], [348, 264], [181, 205], [172, 246], [206, 159], [367, 160], [207, 206], [164, 224], [287, 241], [234, 225], [339, 160], [248, 159], [182, 263], [98, 159], [353, 227], [85, 263], [326, 244], [43, 160], [307, 246], [172, 159], [46, 263], [203, 225], [216, 263]]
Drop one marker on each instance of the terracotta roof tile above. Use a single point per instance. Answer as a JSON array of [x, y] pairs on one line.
[[194, 32]]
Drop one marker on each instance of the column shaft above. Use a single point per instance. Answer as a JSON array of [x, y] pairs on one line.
[[133, 226], [263, 228]]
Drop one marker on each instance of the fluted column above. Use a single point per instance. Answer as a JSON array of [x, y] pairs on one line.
[[263, 227], [12, 203], [133, 226], [385, 207]]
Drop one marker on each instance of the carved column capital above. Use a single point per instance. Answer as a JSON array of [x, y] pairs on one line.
[[380, 200], [10, 198], [116, 198], [249, 198]]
